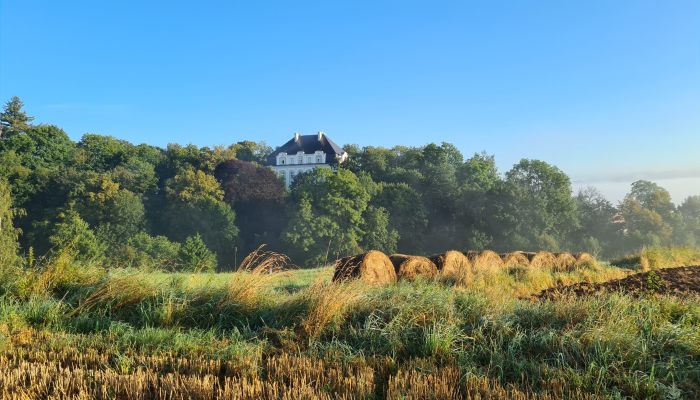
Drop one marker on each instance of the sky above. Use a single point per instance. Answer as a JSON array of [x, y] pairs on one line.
[[609, 91]]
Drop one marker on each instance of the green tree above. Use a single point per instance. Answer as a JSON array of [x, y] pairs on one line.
[[194, 256], [546, 209], [146, 251], [406, 214], [690, 214], [8, 233], [12, 119], [256, 152], [195, 206], [72, 233], [597, 231], [377, 234], [333, 225]]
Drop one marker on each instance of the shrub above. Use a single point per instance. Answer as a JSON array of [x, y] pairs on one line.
[[195, 256]]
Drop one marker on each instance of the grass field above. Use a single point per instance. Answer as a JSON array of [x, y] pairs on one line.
[[79, 332]]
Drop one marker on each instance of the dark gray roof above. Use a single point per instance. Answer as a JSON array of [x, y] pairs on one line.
[[309, 144]]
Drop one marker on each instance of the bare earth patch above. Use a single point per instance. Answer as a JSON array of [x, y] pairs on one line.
[[679, 281]]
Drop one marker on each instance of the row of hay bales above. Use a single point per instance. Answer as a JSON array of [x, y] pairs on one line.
[[375, 267]]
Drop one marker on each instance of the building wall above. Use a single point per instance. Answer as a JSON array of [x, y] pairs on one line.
[[289, 172]]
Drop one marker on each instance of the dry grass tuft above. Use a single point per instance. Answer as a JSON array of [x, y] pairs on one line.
[[262, 261], [454, 266], [118, 292], [412, 267], [373, 268], [328, 302]]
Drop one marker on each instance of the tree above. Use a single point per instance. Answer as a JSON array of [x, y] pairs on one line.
[[326, 214], [8, 233], [257, 196], [597, 231], [406, 214], [546, 210], [12, 119], [252, 151], [377, 234], [116, 214], [146, 251], [71, 233], [194, 256], [690, 213], [649, 215], [195, 206]]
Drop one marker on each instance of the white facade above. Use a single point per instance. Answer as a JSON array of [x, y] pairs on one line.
[[289, 165]]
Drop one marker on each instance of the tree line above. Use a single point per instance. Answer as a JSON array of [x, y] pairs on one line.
[[106, 200]]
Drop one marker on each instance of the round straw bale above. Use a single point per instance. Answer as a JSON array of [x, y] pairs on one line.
[[454, 266], [410, 267], [515, 259], [585, 260], [372, 267], [564, 261], [486, 260], [541, 259]]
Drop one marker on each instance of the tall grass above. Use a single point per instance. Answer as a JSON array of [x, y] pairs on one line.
[[296, 334]]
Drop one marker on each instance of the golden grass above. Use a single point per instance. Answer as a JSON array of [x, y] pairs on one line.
[[328, 302]]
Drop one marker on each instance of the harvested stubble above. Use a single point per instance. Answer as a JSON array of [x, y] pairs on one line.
[[411, 267], [373, 267], [541, 259], [564, 262], [515, 259], [454, 266], [484, 261]]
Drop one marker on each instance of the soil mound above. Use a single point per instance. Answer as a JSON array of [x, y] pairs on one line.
[[680, 281]]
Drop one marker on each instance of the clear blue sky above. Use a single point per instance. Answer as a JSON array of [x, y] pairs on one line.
[[609, 91]]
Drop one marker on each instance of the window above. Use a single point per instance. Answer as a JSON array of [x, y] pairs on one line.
[[282, 160], [301, 159], [318, 159]]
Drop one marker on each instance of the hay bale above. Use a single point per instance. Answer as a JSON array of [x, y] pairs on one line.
[[585, 260], [454, 266], [541, 259], [564, 261], [372, 267], [515, 259], [411, 267], [486, 260]]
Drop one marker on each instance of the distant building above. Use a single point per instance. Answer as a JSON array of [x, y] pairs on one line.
[[303, 153]]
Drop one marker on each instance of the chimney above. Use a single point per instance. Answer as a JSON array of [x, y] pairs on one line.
[[320, 136], [296, 136]]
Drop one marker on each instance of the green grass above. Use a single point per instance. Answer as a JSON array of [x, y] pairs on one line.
[[611, 345]]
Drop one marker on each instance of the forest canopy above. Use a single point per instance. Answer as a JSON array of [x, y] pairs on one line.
[[186, 208]]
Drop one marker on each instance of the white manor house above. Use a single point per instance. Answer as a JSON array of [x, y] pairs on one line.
[[303, 153]]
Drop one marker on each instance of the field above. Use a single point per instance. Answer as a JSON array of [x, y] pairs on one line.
[[86, 332]]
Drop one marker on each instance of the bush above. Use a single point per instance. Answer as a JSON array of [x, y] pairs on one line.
[[195, 256], [146, 251]]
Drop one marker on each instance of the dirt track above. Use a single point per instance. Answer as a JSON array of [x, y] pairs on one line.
[[679, 281]]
